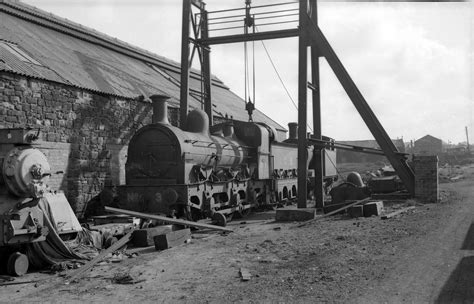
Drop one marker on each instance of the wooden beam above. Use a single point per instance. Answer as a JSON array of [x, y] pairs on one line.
[[167, 219], [390, 215], [335, 211]]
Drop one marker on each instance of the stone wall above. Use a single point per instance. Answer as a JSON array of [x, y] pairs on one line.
[[426, 178], [84, 134]]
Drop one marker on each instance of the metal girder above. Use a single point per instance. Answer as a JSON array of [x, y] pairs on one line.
[[249, 37], [184, 89], [302, 107], [199, 29], [318, 153], [206, 68], [396, 160]]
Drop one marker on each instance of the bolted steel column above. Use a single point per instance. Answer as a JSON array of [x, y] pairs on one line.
[[206, 67], [184, 85], [318, 152], [302, 107]]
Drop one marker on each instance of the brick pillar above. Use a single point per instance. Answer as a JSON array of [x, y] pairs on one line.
[[426, 178]]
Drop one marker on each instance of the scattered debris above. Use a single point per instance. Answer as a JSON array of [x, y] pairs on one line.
[[4, 278], [144, 237], [335, 211], [77, 274], [390, 215], [245, 274]]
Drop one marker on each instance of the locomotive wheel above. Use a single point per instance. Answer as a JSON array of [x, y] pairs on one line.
[[243, 212], [219, 219], [17, 264]]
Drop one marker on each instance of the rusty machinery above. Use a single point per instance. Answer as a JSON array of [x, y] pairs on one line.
[[24, 174]]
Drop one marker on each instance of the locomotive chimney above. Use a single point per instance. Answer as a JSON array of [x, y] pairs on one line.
[[293, 130], [160, 109]]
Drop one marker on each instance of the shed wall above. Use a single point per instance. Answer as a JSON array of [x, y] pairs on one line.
[[82, 133]]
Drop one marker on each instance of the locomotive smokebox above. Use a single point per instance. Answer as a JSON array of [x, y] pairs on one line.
[[160, 109], [293, 130]]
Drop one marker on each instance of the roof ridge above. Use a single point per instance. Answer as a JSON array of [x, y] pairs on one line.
[[71, 25], [104, 38]]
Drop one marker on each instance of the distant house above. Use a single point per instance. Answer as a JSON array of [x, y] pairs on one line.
[[344, 156], [428, 145]]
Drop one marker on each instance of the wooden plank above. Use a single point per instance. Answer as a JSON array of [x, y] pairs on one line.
[[334, 212], [115, 246], [167, 219], [390, 215]]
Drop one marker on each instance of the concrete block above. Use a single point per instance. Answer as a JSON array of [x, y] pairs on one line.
[[172, 239], [144, 237], [373, 208], [299, 215], [356, 211]]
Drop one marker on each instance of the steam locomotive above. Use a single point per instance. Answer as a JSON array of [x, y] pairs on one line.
[[202, 172]]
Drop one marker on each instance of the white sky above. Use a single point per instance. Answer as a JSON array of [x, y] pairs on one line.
[[413, 62]]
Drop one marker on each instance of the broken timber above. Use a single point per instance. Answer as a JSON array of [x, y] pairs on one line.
[[335, 211], [390, 215], [115, 246], [167, 219]]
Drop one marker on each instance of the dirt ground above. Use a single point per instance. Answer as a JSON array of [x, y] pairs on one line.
[[424, 255]]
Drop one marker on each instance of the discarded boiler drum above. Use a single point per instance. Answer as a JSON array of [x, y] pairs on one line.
[[24, 174]]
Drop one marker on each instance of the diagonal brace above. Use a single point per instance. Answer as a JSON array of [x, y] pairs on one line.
[[398, 161]]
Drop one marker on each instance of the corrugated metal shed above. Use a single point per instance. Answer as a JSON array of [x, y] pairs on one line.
[[66, 52]]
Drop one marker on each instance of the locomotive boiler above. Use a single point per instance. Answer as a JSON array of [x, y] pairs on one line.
[[198, 171]]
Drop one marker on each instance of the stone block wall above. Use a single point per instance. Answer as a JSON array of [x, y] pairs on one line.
[[84, 134], [426, 178]]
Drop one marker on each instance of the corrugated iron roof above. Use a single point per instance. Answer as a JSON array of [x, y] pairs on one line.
[[75, 55]]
